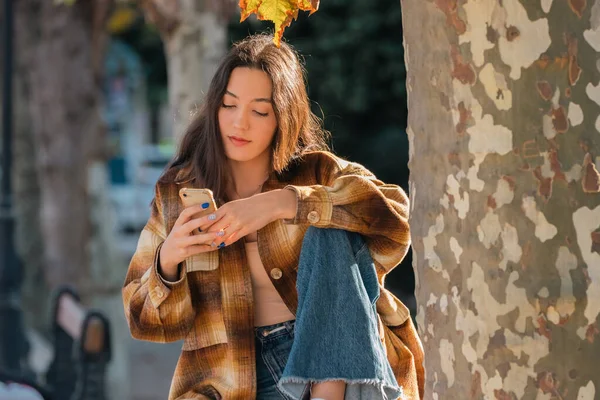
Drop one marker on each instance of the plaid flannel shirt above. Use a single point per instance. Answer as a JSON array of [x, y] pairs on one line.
[[210, 307]]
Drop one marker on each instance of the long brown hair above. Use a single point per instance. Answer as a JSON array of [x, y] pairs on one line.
[[201, 151]]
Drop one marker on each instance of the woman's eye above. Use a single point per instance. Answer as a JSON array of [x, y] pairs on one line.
[[228, 105], [261, 114]]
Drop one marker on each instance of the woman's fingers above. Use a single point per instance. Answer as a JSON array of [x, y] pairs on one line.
[[198, 249], [230, 236], [189, 226], [209, 221], [196, 239], [187, 214]]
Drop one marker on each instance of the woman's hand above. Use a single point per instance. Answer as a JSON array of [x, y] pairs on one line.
[[239, 218], [182, 243]]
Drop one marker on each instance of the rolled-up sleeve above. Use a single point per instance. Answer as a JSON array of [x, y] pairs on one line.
[[351, 198], [156, 310]]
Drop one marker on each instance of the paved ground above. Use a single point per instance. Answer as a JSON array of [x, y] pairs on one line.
[[151, 365]]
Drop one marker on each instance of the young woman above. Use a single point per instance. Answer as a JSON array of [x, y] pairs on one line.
[[230, 292]]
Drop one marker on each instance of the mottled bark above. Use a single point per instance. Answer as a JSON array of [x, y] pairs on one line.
[[504, 134], [194, 34]]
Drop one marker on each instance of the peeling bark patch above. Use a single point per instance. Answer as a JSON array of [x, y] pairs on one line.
[[588, 392], [555, 165], [548, 128], [534, 39], [596, 242], [593, 93], [464, 118], [543, 229], [485, 23], [450, 9], [460, 201], [565, 263], [429, 243], [574, 68], [547, 383], [587, 221], [545, 90], [559, 119], [574, 174], [544, 186], [504, 193], [444, 304], [489, 229], [464, 72], [575, 114], [591, 176], [456, 249], [546, 5], [511, 250], [486, 138], [447, 360], [496, 87], [578, 7]]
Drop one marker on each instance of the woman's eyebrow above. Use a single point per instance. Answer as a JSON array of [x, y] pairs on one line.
[[259, 100]]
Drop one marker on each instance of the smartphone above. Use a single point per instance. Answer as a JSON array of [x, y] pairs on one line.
[[193, 196]]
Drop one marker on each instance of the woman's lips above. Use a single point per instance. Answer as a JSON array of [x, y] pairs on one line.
[[238, 141]]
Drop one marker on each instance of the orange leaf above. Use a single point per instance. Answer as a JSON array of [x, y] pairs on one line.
[[281, 12]]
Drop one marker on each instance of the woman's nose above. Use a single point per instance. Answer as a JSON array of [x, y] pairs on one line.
[[241, 119]]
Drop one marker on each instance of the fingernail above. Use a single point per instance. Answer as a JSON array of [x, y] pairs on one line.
[[220, 233], [221, 245], [213, 244], [205, 205]]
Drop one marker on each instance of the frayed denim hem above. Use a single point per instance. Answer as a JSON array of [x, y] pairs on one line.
[[356, 389]]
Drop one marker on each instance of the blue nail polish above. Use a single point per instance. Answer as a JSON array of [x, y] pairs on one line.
[[221, 245], [205, 206]]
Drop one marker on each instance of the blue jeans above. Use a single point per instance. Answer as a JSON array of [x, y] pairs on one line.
[[273, 346], [337, 331]]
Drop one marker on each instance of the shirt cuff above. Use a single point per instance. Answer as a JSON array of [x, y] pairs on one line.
[[315, 206], [159, 288]]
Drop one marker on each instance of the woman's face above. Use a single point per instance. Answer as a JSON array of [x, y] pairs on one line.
[[246, 118]]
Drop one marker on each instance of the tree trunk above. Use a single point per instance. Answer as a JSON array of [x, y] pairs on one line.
[[62, 185], [505, 219], [64, 71], [195, 37], [28, 236]]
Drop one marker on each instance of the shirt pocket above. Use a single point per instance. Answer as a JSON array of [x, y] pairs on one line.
[[205, 333], [202, 262], [209, 326]]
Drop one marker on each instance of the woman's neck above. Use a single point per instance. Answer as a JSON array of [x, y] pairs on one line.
[[248, 176]]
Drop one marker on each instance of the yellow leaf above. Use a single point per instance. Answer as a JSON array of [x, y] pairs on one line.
[[281, 12]]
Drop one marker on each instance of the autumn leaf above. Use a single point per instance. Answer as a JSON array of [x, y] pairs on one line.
[[281, 12]]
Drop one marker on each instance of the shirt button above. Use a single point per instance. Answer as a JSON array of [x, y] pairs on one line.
[[276, 273], [159, 293], [313, 217]]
